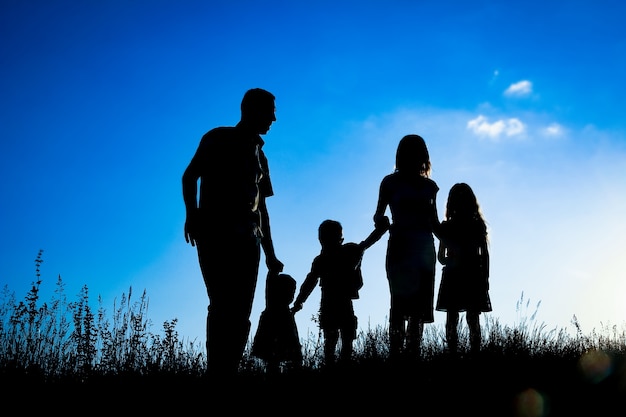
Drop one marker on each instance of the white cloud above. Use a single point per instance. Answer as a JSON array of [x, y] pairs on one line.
[[495, 75], [554, 130], [480, 126], [519, 89]]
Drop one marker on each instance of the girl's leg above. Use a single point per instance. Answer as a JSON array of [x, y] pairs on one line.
[[473, 323], [452, 335]]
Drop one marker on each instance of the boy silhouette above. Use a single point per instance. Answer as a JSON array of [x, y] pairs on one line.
[[337, 269]]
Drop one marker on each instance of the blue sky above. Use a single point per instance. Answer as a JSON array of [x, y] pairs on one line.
[[102, 105]]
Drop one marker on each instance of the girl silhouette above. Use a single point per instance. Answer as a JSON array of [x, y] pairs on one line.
[[464, 254]]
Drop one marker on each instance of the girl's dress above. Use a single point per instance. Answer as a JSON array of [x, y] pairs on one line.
[[276, 339], [465, 275]]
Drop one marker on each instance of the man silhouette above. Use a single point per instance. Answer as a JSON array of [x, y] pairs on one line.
[[229, 224]]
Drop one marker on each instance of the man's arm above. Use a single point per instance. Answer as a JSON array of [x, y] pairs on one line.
[[272, 262], [190, 197]]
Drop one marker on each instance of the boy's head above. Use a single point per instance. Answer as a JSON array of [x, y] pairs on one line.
[[330, 233]]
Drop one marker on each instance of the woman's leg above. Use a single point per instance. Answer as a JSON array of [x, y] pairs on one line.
[[396, 333], [415, 331], [452, 334]]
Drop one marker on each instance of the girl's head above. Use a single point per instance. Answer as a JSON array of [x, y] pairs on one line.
[[412, 156], [330, 233], [279, 290], [462, 202]]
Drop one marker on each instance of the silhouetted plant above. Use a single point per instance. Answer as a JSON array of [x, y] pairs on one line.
[[60, 340], [38, 340]]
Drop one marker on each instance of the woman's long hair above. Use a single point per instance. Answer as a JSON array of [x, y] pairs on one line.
[[412, 156]]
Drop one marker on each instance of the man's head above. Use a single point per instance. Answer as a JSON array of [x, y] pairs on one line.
[[258, 110]]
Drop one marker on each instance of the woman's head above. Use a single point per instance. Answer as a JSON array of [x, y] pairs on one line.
[[412, 156], [462, 202]]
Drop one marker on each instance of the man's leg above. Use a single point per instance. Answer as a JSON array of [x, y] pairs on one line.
[[230, 269]]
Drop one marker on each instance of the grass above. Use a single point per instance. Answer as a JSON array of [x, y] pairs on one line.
[[64, 349]]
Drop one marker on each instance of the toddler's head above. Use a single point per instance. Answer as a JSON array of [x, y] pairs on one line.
[[280, 290]]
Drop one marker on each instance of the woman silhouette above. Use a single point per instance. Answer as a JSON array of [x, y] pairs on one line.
[[410, 263]]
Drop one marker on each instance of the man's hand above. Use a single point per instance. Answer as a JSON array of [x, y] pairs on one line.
[[274, 266], [188, 236], [191, 228], [296, 308]]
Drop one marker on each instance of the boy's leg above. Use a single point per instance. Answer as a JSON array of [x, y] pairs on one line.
[[348, 334], [331, 337]]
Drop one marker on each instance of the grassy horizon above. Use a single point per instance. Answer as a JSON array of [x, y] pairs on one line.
[[68, 343]]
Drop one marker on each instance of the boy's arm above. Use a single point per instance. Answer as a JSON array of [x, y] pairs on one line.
[[305, 290]]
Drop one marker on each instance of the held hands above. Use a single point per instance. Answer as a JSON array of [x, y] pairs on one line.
[[382, 222], [296, 307], [274, 266]]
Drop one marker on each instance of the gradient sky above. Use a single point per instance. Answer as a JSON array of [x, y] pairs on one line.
[[102, 105]]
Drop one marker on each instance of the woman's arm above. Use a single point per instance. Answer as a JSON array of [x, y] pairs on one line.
[[442, 254], [381, 206]]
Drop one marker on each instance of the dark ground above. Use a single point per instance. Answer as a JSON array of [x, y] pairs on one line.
[[481, 386]]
